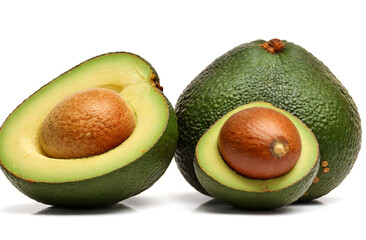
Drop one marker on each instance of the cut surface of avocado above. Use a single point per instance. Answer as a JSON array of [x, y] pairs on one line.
[[129, 77], [222, 182]]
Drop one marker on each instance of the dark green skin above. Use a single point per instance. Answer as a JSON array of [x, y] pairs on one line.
[[293, 80], [117, 185], [112, 187], [256, 200]]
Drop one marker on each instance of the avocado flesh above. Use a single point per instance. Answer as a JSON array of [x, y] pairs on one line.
[[293, 80], [24, 162], [255, 193]]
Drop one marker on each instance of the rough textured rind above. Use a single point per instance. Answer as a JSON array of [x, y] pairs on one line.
[[293, 80], [112, 187], [256, 200]]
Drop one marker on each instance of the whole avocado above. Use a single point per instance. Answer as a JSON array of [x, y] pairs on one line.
[[287, 76]]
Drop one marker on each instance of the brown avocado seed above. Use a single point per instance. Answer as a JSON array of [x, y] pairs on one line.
[[259, 143], [86, 123]]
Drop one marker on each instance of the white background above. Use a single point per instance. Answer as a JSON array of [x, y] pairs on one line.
[[41, 39]]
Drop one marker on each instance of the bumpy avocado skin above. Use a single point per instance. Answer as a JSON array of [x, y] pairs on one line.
[[112, 187], [293, 80]]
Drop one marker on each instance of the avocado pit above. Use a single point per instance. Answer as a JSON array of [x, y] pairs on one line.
[[87, 123], [259, 143]]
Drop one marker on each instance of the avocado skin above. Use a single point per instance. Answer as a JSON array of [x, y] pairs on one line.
[[112, 187], [256, 200], [293, 80]]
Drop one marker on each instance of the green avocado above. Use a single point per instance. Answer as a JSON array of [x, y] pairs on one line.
[[107, 178], [223, 183], [289, 78]]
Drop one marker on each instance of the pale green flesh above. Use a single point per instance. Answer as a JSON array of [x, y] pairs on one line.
[[127, 74], [210, 161]]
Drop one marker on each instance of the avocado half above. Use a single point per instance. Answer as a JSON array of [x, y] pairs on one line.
[[107, 178], [223, 183], [290, 78]]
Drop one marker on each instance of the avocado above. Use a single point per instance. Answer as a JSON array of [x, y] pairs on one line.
[[120, 171], [222, 180], [290, 78]]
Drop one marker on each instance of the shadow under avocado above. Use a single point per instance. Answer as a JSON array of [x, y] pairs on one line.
[[190, 197], [23, 208], [215, 206], [111, 209], [308, 203]]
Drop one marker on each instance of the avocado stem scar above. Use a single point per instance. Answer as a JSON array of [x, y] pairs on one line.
[[273, 46]]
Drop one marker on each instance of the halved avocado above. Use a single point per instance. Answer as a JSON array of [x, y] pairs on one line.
[[107, 178], [223, 183]]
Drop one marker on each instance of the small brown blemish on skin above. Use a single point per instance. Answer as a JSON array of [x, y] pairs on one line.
[[159, 86], [144, 151], [324, 163], [153, 78], [326, 170], [316, 180], [305, 194]]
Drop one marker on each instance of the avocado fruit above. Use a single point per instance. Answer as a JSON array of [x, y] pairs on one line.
[[253, 189], [288, 77], [102, 178]]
